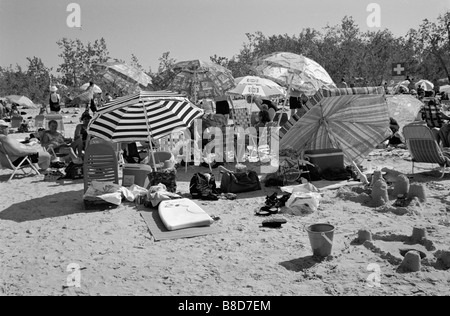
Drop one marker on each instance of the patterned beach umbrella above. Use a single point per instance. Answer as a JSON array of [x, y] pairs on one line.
[[296, 71], [201, 79], [127, 77], [403, 108], [253, 85], [425, 84], [143, 115], [353, 120]]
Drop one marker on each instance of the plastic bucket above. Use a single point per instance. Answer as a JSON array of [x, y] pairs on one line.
[[321, 239]]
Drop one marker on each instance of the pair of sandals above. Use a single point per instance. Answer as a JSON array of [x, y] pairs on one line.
[[273, 204]]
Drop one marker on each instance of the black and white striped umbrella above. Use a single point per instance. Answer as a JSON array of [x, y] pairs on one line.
[[146, 114]]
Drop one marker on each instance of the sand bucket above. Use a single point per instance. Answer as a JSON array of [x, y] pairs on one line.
[[321, 239]]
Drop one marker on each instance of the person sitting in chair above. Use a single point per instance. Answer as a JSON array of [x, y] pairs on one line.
[[17, 150], [54, 142], [433, 116]]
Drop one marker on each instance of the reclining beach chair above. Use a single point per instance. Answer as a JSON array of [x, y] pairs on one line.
[[6, 163], [423, 146], [100, 164]]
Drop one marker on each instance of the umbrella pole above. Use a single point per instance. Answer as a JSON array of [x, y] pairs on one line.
[[149, 135], [285, 100], [362, 176]]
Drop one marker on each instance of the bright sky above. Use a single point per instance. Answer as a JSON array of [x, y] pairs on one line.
[[188, 29]]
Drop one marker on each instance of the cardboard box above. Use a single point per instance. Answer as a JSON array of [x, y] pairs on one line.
[[326, 158], [136, 174]]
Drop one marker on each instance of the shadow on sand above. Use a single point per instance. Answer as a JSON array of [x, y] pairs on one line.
[[50, 206]]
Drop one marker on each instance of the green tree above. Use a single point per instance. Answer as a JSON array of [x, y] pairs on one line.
[[432, 41]]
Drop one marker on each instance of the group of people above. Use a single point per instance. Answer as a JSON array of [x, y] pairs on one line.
[[46, 145], [95, 102]]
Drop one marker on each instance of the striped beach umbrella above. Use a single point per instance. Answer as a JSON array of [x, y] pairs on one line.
[[353, 120], [144, 115]]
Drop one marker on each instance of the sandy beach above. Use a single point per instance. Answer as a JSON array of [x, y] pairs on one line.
[[44, 229]]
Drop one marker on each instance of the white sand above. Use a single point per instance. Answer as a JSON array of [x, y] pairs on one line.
[[44, 228]]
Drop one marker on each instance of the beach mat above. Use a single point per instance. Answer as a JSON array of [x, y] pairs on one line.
[[160, 232]]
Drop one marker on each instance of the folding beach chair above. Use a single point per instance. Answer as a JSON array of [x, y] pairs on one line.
[[6, 163], [100, 163], [423, 146]]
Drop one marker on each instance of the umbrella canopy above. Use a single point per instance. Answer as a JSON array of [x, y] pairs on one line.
[[445, 88], [403, 108], [252, 85], [21, 100], [201, 79], [97, 89], [127, 77], [425, 84], [129, 118], [307, 76], [339, 118]]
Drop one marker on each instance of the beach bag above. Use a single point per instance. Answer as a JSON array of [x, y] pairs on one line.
[[202, 184], [74, 171], [238, 182]]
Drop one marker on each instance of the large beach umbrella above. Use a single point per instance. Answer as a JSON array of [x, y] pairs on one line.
[[201, 79], [425, 84], [21, 100], [126, 77], [143, 115], [353, 120], [445, 88], [294, 71], [253, 85], [403, 108], [97, 89]]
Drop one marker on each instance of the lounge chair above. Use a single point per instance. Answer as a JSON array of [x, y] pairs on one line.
[[423, 146], [6, 163], [100, 164]]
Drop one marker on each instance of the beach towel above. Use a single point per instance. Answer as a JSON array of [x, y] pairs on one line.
[[160, 232]]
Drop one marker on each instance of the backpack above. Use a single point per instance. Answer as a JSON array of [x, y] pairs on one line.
[[74, 171], [202, 184]]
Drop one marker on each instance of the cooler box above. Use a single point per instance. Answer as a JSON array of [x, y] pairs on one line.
[[326, 158], [136, 174]]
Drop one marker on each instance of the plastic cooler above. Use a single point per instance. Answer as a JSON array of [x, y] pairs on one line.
[[136, 174], [326, 158]]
